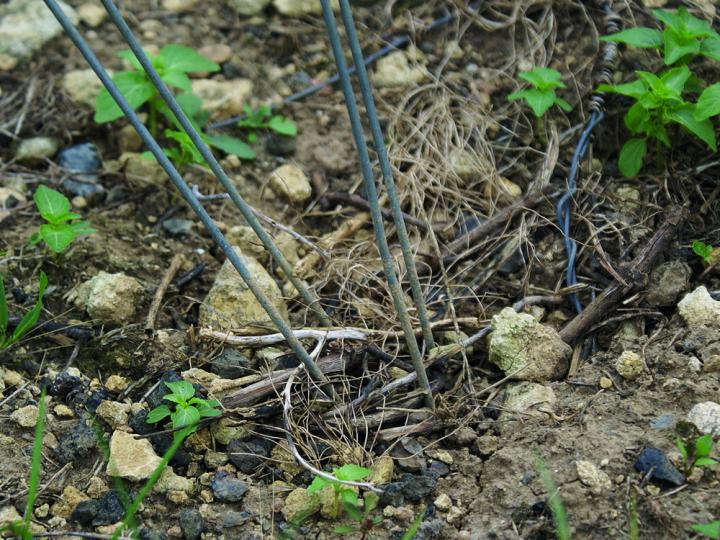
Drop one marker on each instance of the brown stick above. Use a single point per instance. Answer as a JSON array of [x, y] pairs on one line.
[[634, 275], [175, 265]]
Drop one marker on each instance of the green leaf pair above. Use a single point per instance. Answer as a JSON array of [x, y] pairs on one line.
[[698, 453], [542, 96], [28, 320], [189, 410], [63, 226], [263, 118], [703, 250]]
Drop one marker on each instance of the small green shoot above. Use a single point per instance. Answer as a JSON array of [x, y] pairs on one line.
[[263, 118], [63, 226], [696, 453], [683, 37], [541, 96], [28, 320], [703, 250], [711, 530], [562, 528], [415, 525], [346, 497], [188, 408], [659, 103]]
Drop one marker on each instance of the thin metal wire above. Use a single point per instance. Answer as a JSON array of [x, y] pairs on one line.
[[245, 209], [376, 130], [372, 195], [187, 194]]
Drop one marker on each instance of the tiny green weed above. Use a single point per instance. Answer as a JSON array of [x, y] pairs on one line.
[[682, 39], [696, 453], [63, 226], [562, 527], [711, 530], [188, 408], [28, 320], [541, 96], [263, 118], [415, 525], [703, 250]]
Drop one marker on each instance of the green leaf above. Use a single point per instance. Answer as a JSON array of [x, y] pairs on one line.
[[35, 238], [705, 462], [643, 38], [185, 416], [564, 105], [157, 414], [708, 103], [352, 473], [704, 444], [32, 316], [632, 89], [135, 87], [82, 228], [538, 100], [351, 508], [282, 125], [128, 55], [231, 145], [703, 129], [182, 389], [345, 529], [711, 530], [349, 496], [681, 448], [51, 204], [371, 501], [58, 236], [208, 412], [631, 156], [543, 78], [637, 119], [3, 311], [675, 78], [678, 46], [703, 250], [317, 484], [692, 26], [710, 48], [178, 79], [180, 58]]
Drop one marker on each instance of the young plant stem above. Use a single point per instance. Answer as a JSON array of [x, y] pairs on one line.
[[35, 467]]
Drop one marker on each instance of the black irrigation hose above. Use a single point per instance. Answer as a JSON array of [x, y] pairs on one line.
[[563, 207]]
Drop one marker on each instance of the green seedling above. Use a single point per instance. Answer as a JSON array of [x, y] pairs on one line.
[[541, 96], [659, 103], [346, 498], [263, 118], [63, 226], [415, 525], [188, 408], [703, 250], [28, 320], [682, 39], [562, 527], [711, 530], [696, 453]]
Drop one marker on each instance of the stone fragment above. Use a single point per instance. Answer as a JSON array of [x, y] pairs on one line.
[[396, 70], [706, 417], [223, 98], [25, 416], [37, 149], [114, 413], [667, 282], [299, 505], [82, 86], [109, 298], [92, 14], [443, 502], [248, 8], [228, 488], [699, 308], [116, 383], [70, 498], [629, 365], [291, 182], [131, 458], [598, 481], [383, 470], [298, 8], [525, 397]]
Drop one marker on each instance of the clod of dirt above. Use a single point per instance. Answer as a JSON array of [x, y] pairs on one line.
[[84, 163], [25, 416], [525, 349], [597, 480], [223, 98], [227, 429], [248, 8], [76, 443], [178, 226], [139, 170], [298, 8], [667, 282], [108, 298], [443, 502], [299, 504], [248, 456], [69, 500], [9, 515], [699, 308], [116, 383], [706, 417], [191, 523], [37, 149], [655, 462], [169, 482], [179, 6], [82, 86], [525, 397], [291, 182], [231, 364], [396, 70], [629, 365], [92, 14], [131, 458], [228, 488], [96, 512], [114, 413], [410, 487], [280, 145], [230, 304], [383, 470]]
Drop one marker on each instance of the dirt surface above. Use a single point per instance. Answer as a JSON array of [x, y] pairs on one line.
[[461, 152]]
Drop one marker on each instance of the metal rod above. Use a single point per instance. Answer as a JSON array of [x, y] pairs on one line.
[[375, 213], [186, 192], [376, 130], [245, 209]]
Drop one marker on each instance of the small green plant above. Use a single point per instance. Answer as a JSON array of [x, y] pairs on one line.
[[263, 118], [346, 498], [682, 39], [28, 320], [63, 226], [415, 525], [659, 103], [696, 453], [562, 527], [188, 408], [711, 530], [703, 250], [541, 96]]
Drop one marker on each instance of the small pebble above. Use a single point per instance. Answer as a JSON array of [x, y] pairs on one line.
[[606, 383]]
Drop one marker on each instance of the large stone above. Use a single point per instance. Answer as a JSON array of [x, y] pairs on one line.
[[525, 349], [526, 397], [706, 417], [131, 458], [248, 8], [223, 98], [667, 282], [396, 70], [26, 25], [82, 86], [298, 8], [231, 305], [109, 298], [699, 308], [299, 505], [291, 182]]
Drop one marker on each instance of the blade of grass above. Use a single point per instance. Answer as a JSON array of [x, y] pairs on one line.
[[562, 528], [35, 466]]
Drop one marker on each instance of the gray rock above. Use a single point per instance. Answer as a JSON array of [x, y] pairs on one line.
[[248, 8], [76, 444], [291, 182], [699, 308], [524, 398], [667, 282], [109, 298], [37, 149], [83, 162], [26, 25], [230, 304], [525, 349], [706, 417], [231, 364], [249, 455], [178, 226], [280, 145], [191, 523], [228, 488]]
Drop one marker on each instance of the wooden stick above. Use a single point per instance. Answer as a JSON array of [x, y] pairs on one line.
[[175, 265]]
